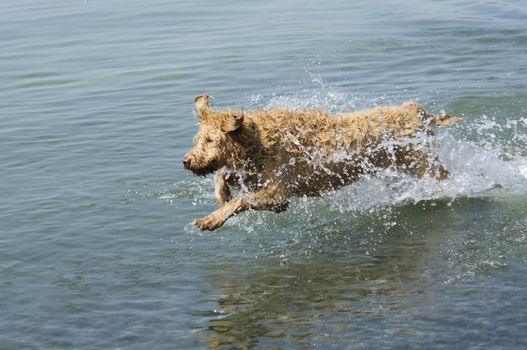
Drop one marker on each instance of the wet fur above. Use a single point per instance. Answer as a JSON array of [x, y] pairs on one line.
[[280, 153]]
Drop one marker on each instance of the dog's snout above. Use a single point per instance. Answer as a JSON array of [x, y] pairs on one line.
[[186, 162]]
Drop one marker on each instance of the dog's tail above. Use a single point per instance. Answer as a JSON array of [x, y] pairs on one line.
[[444, 120]]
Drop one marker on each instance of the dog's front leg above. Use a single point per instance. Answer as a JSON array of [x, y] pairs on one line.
[[221, 189], [267, 199]]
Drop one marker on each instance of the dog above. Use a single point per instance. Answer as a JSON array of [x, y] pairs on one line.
[[280, 153]]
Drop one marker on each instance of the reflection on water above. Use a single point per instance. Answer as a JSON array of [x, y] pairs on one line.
[[356, 286], [293, 303]]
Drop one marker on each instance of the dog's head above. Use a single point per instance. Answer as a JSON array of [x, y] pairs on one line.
[[216, 143]]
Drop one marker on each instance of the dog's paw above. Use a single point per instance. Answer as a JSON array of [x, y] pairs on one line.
[[209, 222]]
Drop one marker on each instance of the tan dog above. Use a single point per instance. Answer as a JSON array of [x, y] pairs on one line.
[[280, 153]]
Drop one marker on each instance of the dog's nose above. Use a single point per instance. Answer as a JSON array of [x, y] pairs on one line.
[[186, 162]]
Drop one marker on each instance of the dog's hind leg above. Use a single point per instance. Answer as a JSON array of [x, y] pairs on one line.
[[420, 162]]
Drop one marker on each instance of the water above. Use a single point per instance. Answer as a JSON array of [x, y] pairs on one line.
[[97, 246]]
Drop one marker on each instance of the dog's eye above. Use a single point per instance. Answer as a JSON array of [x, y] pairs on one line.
[[208, 140]]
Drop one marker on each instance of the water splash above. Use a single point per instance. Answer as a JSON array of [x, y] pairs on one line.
[[482, 153], [485, 156]]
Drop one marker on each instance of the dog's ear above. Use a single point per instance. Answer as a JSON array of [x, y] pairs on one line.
[[233, 122], [201, 103]]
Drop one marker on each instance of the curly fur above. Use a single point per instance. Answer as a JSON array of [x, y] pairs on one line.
[[281, 152]]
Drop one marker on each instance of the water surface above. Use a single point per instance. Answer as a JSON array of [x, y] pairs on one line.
[[97, 246]]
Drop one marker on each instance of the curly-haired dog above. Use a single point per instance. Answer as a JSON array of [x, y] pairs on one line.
[[279, 153]]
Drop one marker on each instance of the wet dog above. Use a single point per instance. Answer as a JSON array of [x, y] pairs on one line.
[[280, 153]]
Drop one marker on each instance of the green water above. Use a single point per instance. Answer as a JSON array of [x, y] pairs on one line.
[[97, 245]]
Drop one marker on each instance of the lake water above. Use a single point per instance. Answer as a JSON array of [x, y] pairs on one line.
[[97, 245]]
